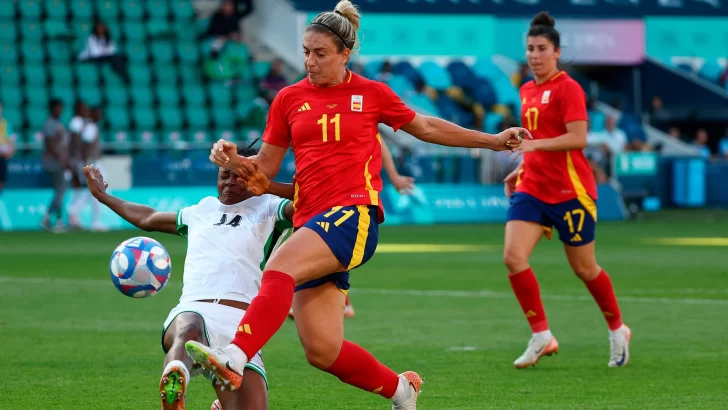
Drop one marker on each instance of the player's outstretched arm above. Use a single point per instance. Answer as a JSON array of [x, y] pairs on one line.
[[142, 216], [441, 132], [269, 159], [402, 183], [574, 139]]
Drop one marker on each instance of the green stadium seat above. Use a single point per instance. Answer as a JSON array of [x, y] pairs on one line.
[[9, 52], [115, 30], [243, 108], [173, 139], [188, 52], [90, 95], [117, 117], [183, 9], [146, 140], [137, 52], [34, 74], [167, 95], [134, 31], [165, 74], [190, 74], [220, 95], [32, 52], [223, 117], [157, 8], [144, 119], [142, 96], [30, 9], [246, 93], [201, 138], [11, 96], [61, 74], [117, 96], [194, 95], [36, 116], [132, 9], [140, 74], [56, 9], [171, 118], [261, 69], [108, 10], [226, 134], [65, 93], [158, 28], [7, 10], [120, 141], [9, 75], [184, 30], [59, 51], [162, 52], [197, 118], [81, 29], [86, 74], [202, 25], [31, 30], [7, 31], [36, 95], [56, 29], [110, 76], [15, 117]]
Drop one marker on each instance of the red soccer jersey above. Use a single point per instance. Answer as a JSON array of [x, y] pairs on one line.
[[335, 141], [554, 177]]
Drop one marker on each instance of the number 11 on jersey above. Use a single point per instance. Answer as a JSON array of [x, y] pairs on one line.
[[324, 123]]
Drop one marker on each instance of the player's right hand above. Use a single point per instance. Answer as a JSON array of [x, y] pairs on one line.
[[225, 154], [510, 182], [252, 178], [94, 180]]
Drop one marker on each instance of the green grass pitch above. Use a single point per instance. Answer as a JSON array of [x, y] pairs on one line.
[[71, 341]]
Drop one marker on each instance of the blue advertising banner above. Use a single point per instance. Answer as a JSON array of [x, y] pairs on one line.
[[429, 204], [571, 8]]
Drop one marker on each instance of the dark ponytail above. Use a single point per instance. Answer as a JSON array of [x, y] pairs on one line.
[[543, 25]]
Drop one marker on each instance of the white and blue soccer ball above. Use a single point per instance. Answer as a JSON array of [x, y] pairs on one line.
[[140, 267]]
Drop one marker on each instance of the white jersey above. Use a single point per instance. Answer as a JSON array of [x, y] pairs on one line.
[[228, 245]]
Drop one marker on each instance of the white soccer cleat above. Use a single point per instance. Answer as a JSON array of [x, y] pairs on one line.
[[619, 346], [218, 361], [412, 384], [537, 347]]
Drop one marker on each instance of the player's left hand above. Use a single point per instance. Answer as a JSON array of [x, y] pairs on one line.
[[511, 139], [252, 178], [404, 184], [94, 180], [526, 146]]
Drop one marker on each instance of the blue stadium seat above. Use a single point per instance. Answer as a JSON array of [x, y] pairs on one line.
[[484, 93], [462, 75], [372, 69], [405, 69], [597, 121], [400, 85], [435, 76], [492, 122], [711, 71], [424, 104]]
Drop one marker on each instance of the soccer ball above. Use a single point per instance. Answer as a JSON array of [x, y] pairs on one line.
[[140, 267]]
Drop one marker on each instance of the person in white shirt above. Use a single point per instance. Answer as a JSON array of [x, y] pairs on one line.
[[89, 153], [229, 239], [76, 163], [101, 48], [602, 146]]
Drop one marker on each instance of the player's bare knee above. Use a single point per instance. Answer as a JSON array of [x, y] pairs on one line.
[[320, 356], [587, 272], [515, 261]]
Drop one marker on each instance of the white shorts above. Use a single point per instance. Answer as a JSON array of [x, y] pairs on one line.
[[221, 322]]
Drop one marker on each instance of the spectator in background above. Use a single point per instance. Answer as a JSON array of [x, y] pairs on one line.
[[674, 132], [55, 163], [90, 150], [522, 76], [7, 147], [701, 142], [723, 79], [224, 27], [385, 73], [659, 116], [75, 159], [274, 81], [723, 146], [603, 146], [100, 48]]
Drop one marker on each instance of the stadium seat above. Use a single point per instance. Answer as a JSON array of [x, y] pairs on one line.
[[246, 92], [34, 74], [7, 31], [64, 93], [157, 8], [120, 141], [117, 118], [31, 30], [142, 96], [36, 116], [90, 95], [118, 96], [597, 121], [171, 118], [197, 119], [137, 52], [146, 140], [108, 10], [484, 93], [11, 96], [201, 138], [182, 9], [15, 117], [162, 51], [61, 74], [190, 74], [194, 95], [423, 104], [711, 71], [167, 95], [9, 75], [56, 9], [86, 73], [435, 76], [110, 76], [134, 31], [166, 74], [10, 53], [493, 122], [223, 117], [81, 29], [7, 10], [132, 9], [260, 69], [30, 9], [461, 75], [144, 119], [59, 51], [485, 68], [220, 95], [140, 74], [188, 52], [184, 30], [451, 111], [36, 95], [56, 29], [158, 28], [372, 69], [405, 69]]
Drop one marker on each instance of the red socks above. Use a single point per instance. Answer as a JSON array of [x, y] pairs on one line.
[[603, 292], [357, 367], [526, 288], [266, 313]]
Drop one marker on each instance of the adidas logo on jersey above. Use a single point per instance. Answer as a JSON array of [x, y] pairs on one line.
[[304, 107], [324, 225], [576, 238]]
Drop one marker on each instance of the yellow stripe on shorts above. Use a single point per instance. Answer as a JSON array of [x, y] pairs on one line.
[[361, 237]]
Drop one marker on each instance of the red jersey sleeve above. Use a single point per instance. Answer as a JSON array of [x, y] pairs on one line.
[[572, 104], [277, 132], [394, 112]]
